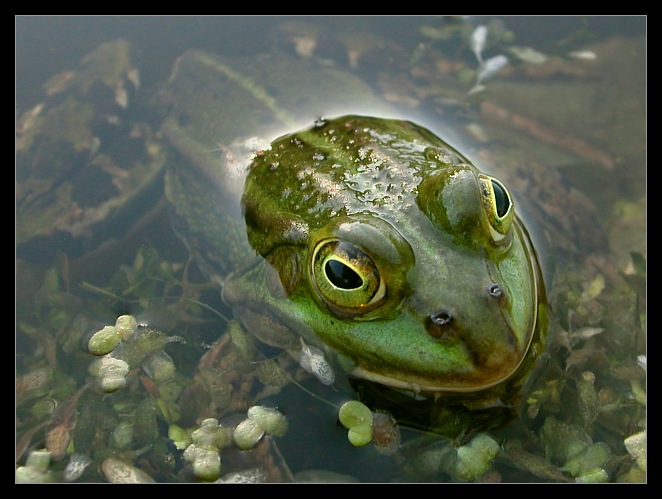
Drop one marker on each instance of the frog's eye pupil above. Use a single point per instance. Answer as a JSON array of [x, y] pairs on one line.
[[501, 199], [342, 276]]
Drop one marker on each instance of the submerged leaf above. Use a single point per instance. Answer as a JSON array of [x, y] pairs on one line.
[[526, 461], [589, 460], [636, 446], [491, 67], [527, 54], [478, 40]]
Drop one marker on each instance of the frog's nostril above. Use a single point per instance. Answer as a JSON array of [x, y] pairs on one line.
[[439, 324], [495, 291], [441, 318]]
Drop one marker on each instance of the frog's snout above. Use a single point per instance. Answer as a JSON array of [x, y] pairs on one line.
[[442, 323]]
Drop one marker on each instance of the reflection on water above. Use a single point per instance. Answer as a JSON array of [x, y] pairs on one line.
[[554, 107]]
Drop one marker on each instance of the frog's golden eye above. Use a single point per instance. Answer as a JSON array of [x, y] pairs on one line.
[[346, 278], [499, 208]]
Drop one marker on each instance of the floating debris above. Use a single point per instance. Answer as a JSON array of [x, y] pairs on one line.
[[206, 462], [588, 398], [574, 449], [33, 384], [323, 476], [587, 55], [478, 41], [529, 55], [636, 446], [160, 367], [77, 465], [385, 433], [251, 475], [269, 372], [491, 67], [273, 422], [125, 346], [204, 451], [63, 421], [104, 341], [179, 436], [260, 421], [110, 372], [475, 458], [36, 469], [125, 326], [313, 361], [598, 476], [247, 434], [532, 463], [122, 436], [117, 471], [357, 418], [486, 69]]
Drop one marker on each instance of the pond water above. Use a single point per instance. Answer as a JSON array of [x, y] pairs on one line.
[[553, 106]]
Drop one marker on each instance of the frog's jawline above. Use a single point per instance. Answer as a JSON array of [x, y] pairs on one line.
[[418, 388]]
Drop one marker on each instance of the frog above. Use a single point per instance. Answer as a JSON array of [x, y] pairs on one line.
[[363, 235]]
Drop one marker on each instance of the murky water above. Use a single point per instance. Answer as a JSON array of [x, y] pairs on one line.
[[570, 93]]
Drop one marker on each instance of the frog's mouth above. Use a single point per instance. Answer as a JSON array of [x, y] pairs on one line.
[[421, 388]]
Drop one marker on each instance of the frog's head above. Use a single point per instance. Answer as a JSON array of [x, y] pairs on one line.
[[396, 252]]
